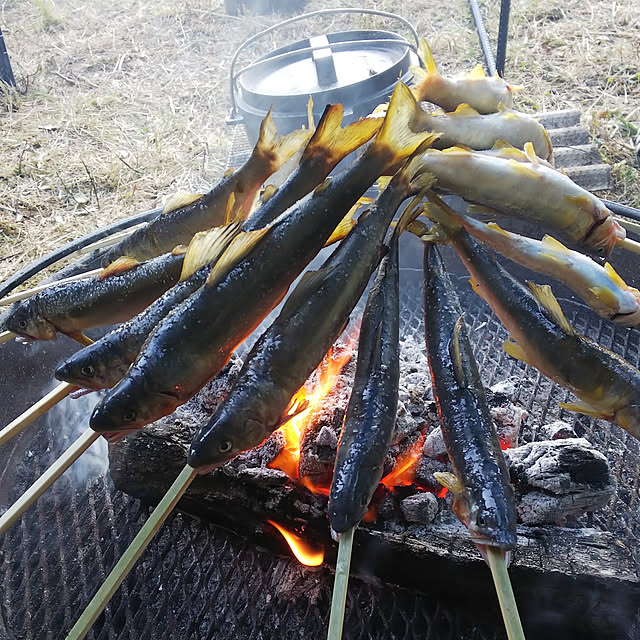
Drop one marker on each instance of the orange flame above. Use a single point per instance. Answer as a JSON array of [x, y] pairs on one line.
[[402, 474], [305, 554], [307, 398]]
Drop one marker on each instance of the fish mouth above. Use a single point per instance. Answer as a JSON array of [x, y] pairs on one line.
[[483, 543], [114, 436]]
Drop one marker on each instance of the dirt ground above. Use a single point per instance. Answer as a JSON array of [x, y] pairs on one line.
[[123, 102]]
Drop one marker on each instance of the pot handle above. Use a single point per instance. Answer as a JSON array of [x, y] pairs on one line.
[[233, 117]]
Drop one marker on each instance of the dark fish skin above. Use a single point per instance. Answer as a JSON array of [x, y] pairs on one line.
[[293, 346], [607, 383], [103, 364], [72, 307], [194, 342], [486, 505], [371, 415]]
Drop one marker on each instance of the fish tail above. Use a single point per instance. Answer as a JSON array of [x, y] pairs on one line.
[[396, 137], [332, 142], [440, 212], [422, 78], [413, 175], [273, 149]]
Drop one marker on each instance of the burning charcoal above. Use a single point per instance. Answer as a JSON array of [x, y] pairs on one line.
[[387, 507], [434, 445], [556, 478], [508, 419], [421, 507], [327, 438], [264, 475], [557, 430], [424, 474]]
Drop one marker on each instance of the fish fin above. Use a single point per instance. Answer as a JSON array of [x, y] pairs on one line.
[[121, 265], [311, 122], [457, 149], [523, 169], [228, 212], [480, 209], [477, 289], [419, 229], [229, 172], [513, 349], [584, 408], [503, 144], [605, 295], [496, 227], [396, 137], [78, 336], [344, 227], [383, 182], [424, 51], [439, 211], [309, 283], [268, 192], [241, 245], [554, 244], [611, 272], [275, 149], [206, 247], [515, 87], [179, 250], [530, 152], [583, 202], [455, 353], [408, 216], [466, 110], [412, 174], [450, 481], [476, 73], [545, 297], [180, 199], [502, 108], [322, 186], [332, 142]]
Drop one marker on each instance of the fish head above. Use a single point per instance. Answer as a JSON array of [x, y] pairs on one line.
[[604, 234], [129, 406], [89, 368], [487, 522], [24, 320], [229, 432], [349, 501]]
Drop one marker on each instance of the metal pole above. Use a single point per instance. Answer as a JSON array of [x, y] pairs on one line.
[[503, 36], [483, 37], [6, 73]]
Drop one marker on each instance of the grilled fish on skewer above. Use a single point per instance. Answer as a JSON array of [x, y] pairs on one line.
[[103, 364], [186, 214], [600, 287], [483, 499], [607, 385], [484, 93], [197, 338], [310, 322], [368, 426], [117, 294], [533, 191]]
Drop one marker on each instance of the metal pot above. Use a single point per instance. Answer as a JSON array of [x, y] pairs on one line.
[[357, 68]]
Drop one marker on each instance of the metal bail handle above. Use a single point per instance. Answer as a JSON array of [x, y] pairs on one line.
[[323, 63]]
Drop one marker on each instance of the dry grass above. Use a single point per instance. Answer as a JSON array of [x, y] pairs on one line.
[[125, 100]]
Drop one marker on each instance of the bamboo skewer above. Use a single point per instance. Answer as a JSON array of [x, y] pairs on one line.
[[5, 336], [27, 293], [629, 245], [339, 598], [15, 511], [107, 242], [505, 594], [35, 411], [131, 555]]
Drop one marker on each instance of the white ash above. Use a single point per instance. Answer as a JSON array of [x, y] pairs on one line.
[[420, 507], [264, 476], [559, 429], [327, 438], [507, 387], [508, 419], [434, 446], [537, 507]]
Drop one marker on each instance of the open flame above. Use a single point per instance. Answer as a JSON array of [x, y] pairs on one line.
[[304, 552], [404, 471], [306, 399]]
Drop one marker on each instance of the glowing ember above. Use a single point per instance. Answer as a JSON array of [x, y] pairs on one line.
[[308, 397], [405, 469], [305, 553]]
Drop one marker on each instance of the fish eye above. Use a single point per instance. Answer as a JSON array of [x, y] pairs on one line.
[[87, 370], [130, 416], [481, 521], [225, 446], [22, 324]]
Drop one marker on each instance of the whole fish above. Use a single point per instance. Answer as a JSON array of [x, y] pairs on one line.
[[197, 338], [483, 499], [185, 214], [371, 414], [531, 191], [118, 293], [312, 319], [600, 287], [607, 385], [102, 364], [466, 127], [484, 93]]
